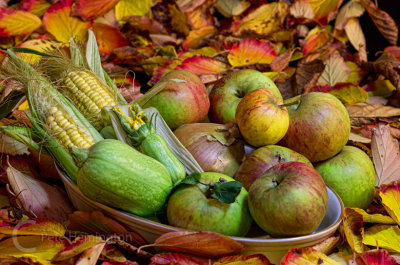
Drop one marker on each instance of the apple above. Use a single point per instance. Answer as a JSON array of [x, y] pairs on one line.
[[263, 158], [319, 126], [290, 199], [229, 90], [261, 117], [183, 98], [352, 175], [191, 207]]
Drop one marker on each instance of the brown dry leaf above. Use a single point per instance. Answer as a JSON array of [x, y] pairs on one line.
[[307, 75], [282, 61], [355, 34], [353, 229], [363, 110], [385, 24], [328, 245], [386, 155], [205, 244], [189, 5], [10, 146], [229, 8], [335, 71], [351, 9], [358, 138], [384, 236], [39, 197]]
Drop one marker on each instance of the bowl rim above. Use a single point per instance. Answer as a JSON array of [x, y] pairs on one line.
[[65, 179]]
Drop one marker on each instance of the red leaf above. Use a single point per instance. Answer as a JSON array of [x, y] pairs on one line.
[[108, 38], [256, 259], [315, 42], [200, 64], [251, 51], [176, 258], [305, 256], [379, 257], [395, 50], [79, 245], [205, 244], [89, 9]]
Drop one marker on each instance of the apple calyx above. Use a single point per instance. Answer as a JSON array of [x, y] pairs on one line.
[[223, 190]]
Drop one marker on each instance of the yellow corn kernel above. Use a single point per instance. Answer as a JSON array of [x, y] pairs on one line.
[[65, 131]]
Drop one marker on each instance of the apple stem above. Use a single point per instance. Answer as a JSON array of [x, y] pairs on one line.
[[289, 104]]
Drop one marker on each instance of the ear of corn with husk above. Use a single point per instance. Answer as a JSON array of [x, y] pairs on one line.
[[54, 119]]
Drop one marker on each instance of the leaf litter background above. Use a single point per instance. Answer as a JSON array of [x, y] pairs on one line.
[[303, 45]]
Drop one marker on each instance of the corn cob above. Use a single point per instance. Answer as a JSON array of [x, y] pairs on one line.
[[88, 94]]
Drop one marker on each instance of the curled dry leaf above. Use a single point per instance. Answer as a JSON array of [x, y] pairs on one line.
[[363, 110], [353, 229], [39, 197], [385, 155], [10, 146], [384, 236], [385, 24], [351, 9], [355, 34], [205, 244]]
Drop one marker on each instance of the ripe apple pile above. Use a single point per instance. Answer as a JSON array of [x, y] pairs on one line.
[[282, 191]]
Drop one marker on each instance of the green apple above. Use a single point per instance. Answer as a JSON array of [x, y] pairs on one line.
[[352, 175], [319, 126], [261, 117], [290, 199], [229, 90], [192, 207], [263, 158]]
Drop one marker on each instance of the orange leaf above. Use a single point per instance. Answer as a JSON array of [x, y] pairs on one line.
[[200, 17], [146, 24], [58, 21], [306, 256], [89, 9], [395, 50], [96, 223], [386, 155], [353, 229], [256, 259], [37, 226], [36, 7], [282, 61], [108, 38], [13, 23], [79, 245], [176, 258], [205, 244], [379, 257], [38, 249], [200, 64], [390, 196], [196, 37], [315, 40], [324, 10], [251, 51], [383, 21]]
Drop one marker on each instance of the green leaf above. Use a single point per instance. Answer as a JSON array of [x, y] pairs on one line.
[[192, 179], [93, 56], [32, 51], [9, 102], [76, 53], [227, 192]]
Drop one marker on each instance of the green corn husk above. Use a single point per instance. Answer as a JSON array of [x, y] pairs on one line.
[[41, 96]]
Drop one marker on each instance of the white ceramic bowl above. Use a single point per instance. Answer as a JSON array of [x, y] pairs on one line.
[[274, 249]]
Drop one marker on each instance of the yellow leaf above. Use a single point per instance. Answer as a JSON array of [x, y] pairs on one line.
[[390, 196], [59, 22], [13, 23], [324, 10], [374, 218], [355, 34], [36, 248], [126, 8], [384, 236], [353, 229], [265, 19], [306, 256], [36, 7], [37, 226], [349, 93], [38, 45]]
